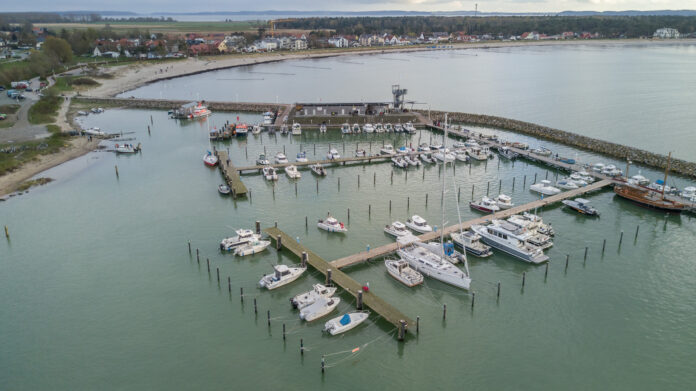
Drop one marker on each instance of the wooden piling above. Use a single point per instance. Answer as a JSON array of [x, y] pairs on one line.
[[208, 262], [258, 227], [524, 278], [426, 200], [322, 364], [473, 300], [339, 184], [417, 324], [360, 300], [408, 203], [229, 285], [302, 346], [305, 258], [444, 311], [636, 236], [535, 177], [546, 272], [524, 181], [513, 183], [283, 331], [358, 181], [369, 210], [402, 329], [604, 245], [218, 275], [374, 179], [392, 177], [116, 167], [500, 185], [498, 294], [567, 258], [198, 257], [328, 277], [389, 206], [472, 191], [189, 242], [348, 214], [241, 294], [620, 238], [488, 187], [279, 245], [306, 222], [256, 308], [268, 317], [585, 252]]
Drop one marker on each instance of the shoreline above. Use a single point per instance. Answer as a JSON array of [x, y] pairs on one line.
[[130, 77]]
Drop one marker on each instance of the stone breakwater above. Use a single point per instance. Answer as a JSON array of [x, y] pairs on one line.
[[575, 140], [165, 104]]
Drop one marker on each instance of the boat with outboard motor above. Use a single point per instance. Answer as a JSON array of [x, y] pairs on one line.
[[330, 224], [224, 189], [308, 298], [262, 160], [345, 322], [486, 205], [270, 173], [387, 149], [210, 160], [318, 169], [251, 248], [243, 236], [282, 275], [296, 129], [321, 307], [301, 157], [292, 172], [582, 206]]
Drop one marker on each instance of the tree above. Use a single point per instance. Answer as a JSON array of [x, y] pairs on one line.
[[58, 49]]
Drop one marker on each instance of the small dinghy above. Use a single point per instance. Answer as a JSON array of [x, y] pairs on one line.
[[252, 248], [224, 189], [308, 298], [321, 307], [243, 237], [283, 275], [270, 173], [343, 323], [318, 169], [210, 160], [292, 173], [332, 225], [402, 272]]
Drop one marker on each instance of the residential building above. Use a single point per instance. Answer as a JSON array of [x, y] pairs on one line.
[[666, 33]]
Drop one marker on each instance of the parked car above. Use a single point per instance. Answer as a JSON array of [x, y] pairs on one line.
[[2, 88], [3, 116], [28, 89]]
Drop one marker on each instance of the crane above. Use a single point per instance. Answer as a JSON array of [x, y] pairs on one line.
[[272, 23]]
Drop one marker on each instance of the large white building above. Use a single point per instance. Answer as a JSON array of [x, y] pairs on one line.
[[666, 33]]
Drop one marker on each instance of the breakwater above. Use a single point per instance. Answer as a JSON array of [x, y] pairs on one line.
[[636, 155], [166, 104]]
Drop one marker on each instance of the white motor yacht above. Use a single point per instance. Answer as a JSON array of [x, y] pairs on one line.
[[321, 307], [368, 128], [501, 240], [282, 275], [398, 128], [270, 173], [307, 298], [243, 237], [444, 155], [459, 145], [598, 167], [520, 232], [330, 224], [360, 153], [388, 127], [486, 205], [399, 161], [387, 149], [532, 222], [432, 265], [333, 154], [397, 229], [296, 129], [318, 169], [322, 128], [566, 184], [292, 173], [578, 179], [252, 248], [409, 128], [262, 160], [412, 160], [478, 153], [461, 155], [256, 129], [544, 187], [471, 243], [301, 157], [280, 158], [418, 224], [402, 272], [379, 128], [425, 158], [541, 151], [504, 201], [343, 323]]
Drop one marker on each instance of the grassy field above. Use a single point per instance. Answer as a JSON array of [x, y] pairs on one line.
[[28, 151], [45, 110], [163, 27]]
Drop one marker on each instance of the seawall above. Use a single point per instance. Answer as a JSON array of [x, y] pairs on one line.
[[166, 104]]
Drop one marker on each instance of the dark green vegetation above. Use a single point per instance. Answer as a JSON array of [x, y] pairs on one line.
[[34, 182], [8, 110], [44, 111], [12, 156], [607, 26]]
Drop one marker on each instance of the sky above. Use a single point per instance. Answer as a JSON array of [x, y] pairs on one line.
[[147, 6]]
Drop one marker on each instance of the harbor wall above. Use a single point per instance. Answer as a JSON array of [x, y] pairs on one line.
[[608, 148], [166, 104]]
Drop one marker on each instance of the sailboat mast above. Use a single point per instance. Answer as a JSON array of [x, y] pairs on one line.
[[444, 179], [664, 184]]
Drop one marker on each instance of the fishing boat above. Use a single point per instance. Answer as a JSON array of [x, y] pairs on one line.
[[507, 153], [500, 239], [262, 161], [345, 128], [379, 128], [387, 149], [399, 161], [301, 157], [412, 160], [402, 272], [318, 169], [582, 206], [418, 224], [292, 173], [322, 128], [398, 128], [397, 229], [241, 130], [200, 112], [471, 243], [478, 153], [308, 298], [333, 154], [425, 158], [251, 248], [330, 224], [356, 128], [368, 128], [566, 184], [256, 129], [485, 205], [434, 266], [280, 158], [544, 187], [210, 160], [224, 189], [296, 129], [243, 237], [345, 322], [282, 275], [321, 307], [388, 127], [270, 173], [127, 148], [650, 198], [504, 201]]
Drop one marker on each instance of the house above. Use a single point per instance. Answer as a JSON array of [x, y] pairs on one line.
[[300, 44], [96, 52], [339, 42], [530, 35], [269, 44], [666, 33], [222, 47]]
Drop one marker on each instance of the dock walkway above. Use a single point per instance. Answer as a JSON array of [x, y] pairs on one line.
[[377, 304], [389, 248], [339, 161], [229, 172]]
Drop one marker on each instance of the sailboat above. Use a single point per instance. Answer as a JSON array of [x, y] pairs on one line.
[[650, 198]]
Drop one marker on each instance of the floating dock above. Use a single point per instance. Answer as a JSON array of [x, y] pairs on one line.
[[229, 172], [389, 248], [377, 304], [339, 161]]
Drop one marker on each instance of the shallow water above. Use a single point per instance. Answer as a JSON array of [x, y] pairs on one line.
[[99, 289]]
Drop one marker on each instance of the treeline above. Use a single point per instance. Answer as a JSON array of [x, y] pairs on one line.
[[83, 17], [55, 54], [82, 41], [608, 26]]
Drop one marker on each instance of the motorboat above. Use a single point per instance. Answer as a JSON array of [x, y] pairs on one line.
[[280, 158], [307, 298], [544, 187], [485, 205], [418, 224], [210, 160], [332, 225], [302, 157], [333, 154], [689, 193], [360, 153], [471, 143], [412, 160], [520, 232], [434, 266], [398, 128], [296, 129], [460, 154], [404, 150], [224, 189], [500, 239], [598, 167], [387, 149], [639, 180], [268, 118], [356, 128], [409, 128], [256, 129], [504, 201], [402, 272], [282, 275], [471, 243], [507, 153], [436, 147], [444, 155], [612, 171], [322, 128], [426, 158], [243, 237], [379, 128], [345, 322], [459, 145], [520, 145], [368, 128], [251, 248], [533, 223], [126, 148], [582, 206], [262, 161], [566, 184], [388, 127], [270, 173], [399, 161], [478, 153], [345, 128], [541, 151], [284, 129], [578, 179], [397, 229], [321, 307], [292, 173], [241, 130], [318, 169]]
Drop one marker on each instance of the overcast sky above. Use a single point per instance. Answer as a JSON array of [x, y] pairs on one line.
[[145, 6]]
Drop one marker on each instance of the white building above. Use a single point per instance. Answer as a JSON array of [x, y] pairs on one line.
[[301, 44], [97, 52], [339, 42], [666, 33]]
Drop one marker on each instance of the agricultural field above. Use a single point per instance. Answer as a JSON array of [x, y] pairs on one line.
[[163, 27]]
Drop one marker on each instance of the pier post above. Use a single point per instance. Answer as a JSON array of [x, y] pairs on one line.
[[229, 285], [258, 227], [635, 238], [470, 168], [604, 245], [408, 203], [488, 187], [189, 242], [524, 181], [317, 182], [246, 151], [360, 300], [339, 184], [241, 294], [585, 252], [524, 278], [547, 174], [344, 147], [473, 300], [535, 177], [148, 129], [417, 324], [283, 331], [268, 317], [513, 183], [392, 177], [218, 275], [328, 277], [567, 258], [295, 189], [322, 364], [276, 224], [374, 179], [198, 257], [472, 191], [500, 185], [283, 149], [302, 346], [459, 192], [256, 308], [444, 311], [620, 238], [348, 214], [424, 174], [306, 222], [305, 257], [546, 272], [406, 176], [402, 329], [426, 200], [389, 206], [358, 181], [207, 260], [369, 210], [279, 243], [498, 294], [116, 167]]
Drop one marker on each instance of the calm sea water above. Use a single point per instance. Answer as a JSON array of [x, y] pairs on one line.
[[641, 95], [100, 292]]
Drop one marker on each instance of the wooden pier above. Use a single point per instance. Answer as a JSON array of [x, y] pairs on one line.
[[229, 172], [377, 304], [389, 248], [339, 161]]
